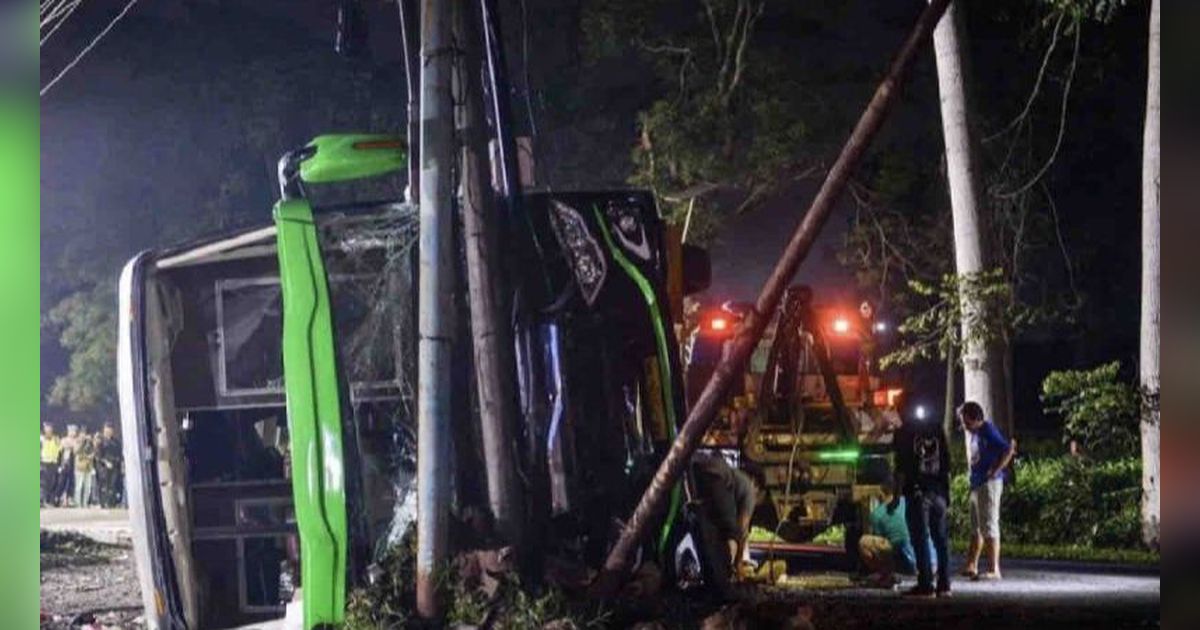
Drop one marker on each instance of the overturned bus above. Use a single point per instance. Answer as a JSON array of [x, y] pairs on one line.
[[267, 379]]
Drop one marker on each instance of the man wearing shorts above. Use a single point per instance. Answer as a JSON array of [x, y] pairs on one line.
[[990, 456]]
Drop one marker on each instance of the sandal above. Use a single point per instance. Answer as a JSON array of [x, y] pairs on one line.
[[969, 574], [990, 576]]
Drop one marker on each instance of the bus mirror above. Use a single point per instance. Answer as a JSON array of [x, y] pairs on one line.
[[697, 269], [344, 157]]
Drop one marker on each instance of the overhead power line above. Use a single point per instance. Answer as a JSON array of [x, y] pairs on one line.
[[87, 48]]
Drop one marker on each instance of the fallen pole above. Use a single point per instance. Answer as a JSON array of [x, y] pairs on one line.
[[731, 365]]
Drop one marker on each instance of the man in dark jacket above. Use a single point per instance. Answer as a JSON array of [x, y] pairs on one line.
[[923, 479], [108, 467]]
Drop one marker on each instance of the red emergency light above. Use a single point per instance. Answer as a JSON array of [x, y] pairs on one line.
[[887, 397]]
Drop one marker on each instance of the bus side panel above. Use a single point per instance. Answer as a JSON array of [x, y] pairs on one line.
[[151, 558]]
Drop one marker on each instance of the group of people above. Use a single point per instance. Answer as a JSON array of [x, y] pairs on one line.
[[81, 469], [915, 505], [918, 504]]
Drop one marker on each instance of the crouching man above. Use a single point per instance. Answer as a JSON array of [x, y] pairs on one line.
[[728, 496], [887, 549]]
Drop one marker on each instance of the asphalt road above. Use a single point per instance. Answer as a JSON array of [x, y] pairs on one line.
[[1033, 594], [101, 525]]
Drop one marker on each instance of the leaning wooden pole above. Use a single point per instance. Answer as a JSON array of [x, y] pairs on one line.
[[491, 334], [435, 320], [731, 365]]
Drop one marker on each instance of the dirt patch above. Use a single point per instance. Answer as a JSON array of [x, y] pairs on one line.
[[85, 582]]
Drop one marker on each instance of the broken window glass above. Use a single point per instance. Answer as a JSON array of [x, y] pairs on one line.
[[370, 259]]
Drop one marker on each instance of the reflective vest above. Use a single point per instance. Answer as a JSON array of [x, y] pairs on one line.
[[51, 447]]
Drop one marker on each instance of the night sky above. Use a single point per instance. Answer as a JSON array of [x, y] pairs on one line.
[[146, 128]]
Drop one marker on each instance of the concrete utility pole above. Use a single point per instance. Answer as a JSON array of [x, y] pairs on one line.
[[435, 321], [983, 363], [491, 333], [731, 365], [1151, 301]]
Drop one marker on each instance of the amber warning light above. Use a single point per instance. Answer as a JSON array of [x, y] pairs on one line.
[[887, 397]]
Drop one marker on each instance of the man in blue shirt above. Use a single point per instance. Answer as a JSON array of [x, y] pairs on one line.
[[990, 456]]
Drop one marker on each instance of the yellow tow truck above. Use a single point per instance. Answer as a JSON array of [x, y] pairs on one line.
[[813, 411]]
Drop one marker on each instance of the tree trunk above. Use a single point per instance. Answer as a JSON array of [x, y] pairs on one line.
[[983, 368], [1150, 292], [491, 334], [948, 408], [435, 308]]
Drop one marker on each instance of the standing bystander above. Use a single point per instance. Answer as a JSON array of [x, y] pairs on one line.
[[64, 492], [990, 456], [108, 467], [85, 470], [923, 479], [51, 449]]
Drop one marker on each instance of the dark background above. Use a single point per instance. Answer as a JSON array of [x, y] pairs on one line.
[[171, 127]]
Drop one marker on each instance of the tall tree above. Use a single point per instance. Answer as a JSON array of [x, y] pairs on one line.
[[983, 366], [1150, 291], [86, 324]]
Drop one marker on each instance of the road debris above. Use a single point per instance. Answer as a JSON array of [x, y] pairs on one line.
[[87, 584]]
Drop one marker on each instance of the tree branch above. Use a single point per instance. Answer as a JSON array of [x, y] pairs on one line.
[[712, 24], [1037, 84], [1062, 127], [739, 60]]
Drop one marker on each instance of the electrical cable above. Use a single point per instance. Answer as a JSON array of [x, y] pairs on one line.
[[58, 18], [87, 48], [525, 70]]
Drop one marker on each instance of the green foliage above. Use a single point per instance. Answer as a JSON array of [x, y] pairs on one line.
[[520, 609], [387, 602], [1073, 553], [728, 123], [834, 536], [937, 330], [1064, 501], [86, 324], [1099, 411]]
